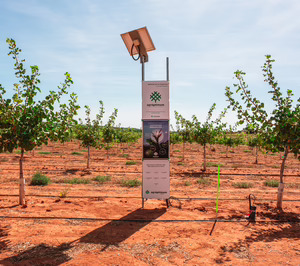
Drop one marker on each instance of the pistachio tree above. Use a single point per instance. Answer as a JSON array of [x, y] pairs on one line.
[[126, 135], [175, 138], [230, 138], [255, 142], [254, 139], [279, 129], [90, 132], [206, 133], [227, 140], [109, 132], [26, 122], [185, 130]]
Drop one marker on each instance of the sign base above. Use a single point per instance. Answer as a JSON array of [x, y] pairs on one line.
[[156, 179]]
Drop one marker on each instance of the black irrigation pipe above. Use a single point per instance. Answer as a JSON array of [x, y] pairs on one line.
[[74, 197], [235, 174], [138, 197], [233, 199], [148, 220], [173, 173]]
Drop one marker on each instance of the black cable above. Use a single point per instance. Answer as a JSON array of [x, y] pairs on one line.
[[138, 197], [138, 48], [189, 174], [148, 220]]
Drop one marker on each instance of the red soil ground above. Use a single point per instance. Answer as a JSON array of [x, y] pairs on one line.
[[104, 224]]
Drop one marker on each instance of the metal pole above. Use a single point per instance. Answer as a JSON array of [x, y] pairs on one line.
[[143, 67], [167, 69], [143, 79]]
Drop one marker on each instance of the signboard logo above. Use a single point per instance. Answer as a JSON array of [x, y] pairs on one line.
[[155, 96]]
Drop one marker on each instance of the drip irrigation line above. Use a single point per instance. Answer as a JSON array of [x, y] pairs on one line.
[[138, 197], [190, 174], [235, 174], [74, 197], [149, 220], [237, 199]]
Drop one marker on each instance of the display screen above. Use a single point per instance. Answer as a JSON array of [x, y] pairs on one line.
[[156, 139]]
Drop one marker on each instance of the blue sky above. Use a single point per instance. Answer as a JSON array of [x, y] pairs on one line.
[[206, 41]]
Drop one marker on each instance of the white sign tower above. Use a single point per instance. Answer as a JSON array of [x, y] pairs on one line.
[[155, 119]]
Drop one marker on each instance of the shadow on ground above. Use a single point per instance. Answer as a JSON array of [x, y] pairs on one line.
[[40, 255], [3, 238], [116, 232], [112, 233], [284, 225]]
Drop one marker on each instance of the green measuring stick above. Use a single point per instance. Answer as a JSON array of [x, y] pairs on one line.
[[217, 201], [218, 193]]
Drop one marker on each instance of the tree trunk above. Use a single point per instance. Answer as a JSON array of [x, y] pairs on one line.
[[204, 157], [226, 151], [256, 154], [22, 181], [281, 185], [183, 148], [88, 159]]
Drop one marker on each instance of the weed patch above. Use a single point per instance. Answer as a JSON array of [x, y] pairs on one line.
[[131, 183], [102, 179], [130, 163], [76, 153], [19, 152], [64, 193], [210, 164], [44, 152], [271, 183], [203, 181], [275, 166], [76, 181], [39, 180], [293, 185], [242, 185], [187, 183]]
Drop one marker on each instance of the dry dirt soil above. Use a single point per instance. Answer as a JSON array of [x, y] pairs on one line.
[[105, 224]]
